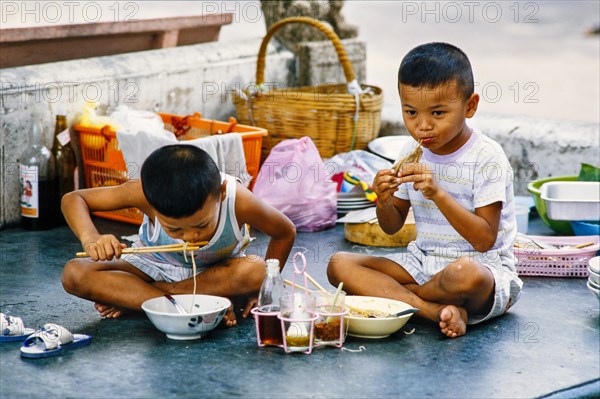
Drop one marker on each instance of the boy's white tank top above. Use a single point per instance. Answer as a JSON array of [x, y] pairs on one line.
[[228, 241]]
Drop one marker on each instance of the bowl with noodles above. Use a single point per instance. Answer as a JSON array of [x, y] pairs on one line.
[[370, 317], [202, 314]]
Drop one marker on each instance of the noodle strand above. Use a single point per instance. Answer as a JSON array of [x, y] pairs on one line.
[[185, 251], [194, 272]]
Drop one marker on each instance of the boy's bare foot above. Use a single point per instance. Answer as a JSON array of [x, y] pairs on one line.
[[453, 321], [110, 312], [229, 318]]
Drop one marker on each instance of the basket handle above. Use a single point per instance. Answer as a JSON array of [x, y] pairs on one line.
[[331, 35]]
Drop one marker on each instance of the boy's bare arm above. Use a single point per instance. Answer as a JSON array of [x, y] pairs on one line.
[[391, 211], [269, 220], [77, 205], [479, 228]]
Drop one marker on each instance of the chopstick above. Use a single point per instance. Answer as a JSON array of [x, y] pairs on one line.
[[288, 282], [314, 282], [182, 245], [159, 248], [578, 246], [320, 287]]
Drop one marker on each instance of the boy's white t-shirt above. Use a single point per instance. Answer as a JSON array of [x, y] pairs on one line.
[[476, 175]]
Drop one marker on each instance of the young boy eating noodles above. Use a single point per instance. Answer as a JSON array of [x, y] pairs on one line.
[[184, 198]]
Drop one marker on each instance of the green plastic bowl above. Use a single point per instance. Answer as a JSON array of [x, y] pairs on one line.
[[560, 227]]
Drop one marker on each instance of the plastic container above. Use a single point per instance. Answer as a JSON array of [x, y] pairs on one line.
[[572, 200], [572, 262], [586, 228], [104, 164], [560, 227], [522, 216]]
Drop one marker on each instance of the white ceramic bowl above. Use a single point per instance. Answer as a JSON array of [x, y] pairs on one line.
[[594, 264], [594, 277], [593, 289], [207, 314], [379, 327]]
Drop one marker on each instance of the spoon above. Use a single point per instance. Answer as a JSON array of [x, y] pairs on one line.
[[180, 309], [337, 294], [404, 312]]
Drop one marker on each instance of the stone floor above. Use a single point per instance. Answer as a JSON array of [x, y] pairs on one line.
[[547, 346]]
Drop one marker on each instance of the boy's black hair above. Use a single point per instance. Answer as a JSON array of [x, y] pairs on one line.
[[433, 64], [177, 179]]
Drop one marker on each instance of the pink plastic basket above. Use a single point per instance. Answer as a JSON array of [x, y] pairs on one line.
[[557, 262]]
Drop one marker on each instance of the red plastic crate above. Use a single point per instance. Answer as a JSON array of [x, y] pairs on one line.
[[104, 164]]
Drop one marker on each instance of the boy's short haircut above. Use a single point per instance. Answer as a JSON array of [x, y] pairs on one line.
[[177, 179], [434, 64]]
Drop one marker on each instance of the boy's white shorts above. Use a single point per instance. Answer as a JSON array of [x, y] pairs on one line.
[[422, 268]]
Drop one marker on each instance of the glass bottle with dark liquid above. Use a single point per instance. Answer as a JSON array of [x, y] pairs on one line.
[[269, 326], [65, 163], [38, 186]]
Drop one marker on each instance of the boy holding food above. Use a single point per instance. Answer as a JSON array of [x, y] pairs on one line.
[[460, 269], [184, 198]]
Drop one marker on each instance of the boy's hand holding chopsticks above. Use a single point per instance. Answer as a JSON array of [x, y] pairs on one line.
[[92, 249], [102, 247]]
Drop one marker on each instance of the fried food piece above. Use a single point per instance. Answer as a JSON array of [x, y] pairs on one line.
[[414, 156]]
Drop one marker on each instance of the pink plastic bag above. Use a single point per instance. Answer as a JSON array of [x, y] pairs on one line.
[[294, 180]]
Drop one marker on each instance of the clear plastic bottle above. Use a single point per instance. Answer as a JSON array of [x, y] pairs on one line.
[[270, 293], [38, 185]]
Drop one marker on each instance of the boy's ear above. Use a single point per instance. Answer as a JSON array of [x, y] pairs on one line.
[[223, 190], [471, 105]]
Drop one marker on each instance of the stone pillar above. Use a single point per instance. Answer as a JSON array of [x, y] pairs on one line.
[[317, 61], [328, 12]]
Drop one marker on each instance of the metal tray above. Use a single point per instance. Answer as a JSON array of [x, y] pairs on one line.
[[389, 147], [572, 200]]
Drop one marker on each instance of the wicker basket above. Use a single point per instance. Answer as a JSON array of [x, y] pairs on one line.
[[326, 113]]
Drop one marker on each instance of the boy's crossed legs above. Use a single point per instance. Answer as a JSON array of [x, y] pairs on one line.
[[464, 287], [118, 285]]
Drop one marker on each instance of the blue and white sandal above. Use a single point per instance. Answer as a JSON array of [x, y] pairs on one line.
[[12, 329], [52, 340]]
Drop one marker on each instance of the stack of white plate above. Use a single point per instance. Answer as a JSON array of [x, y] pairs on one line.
[[594, 279], [352, 201]]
